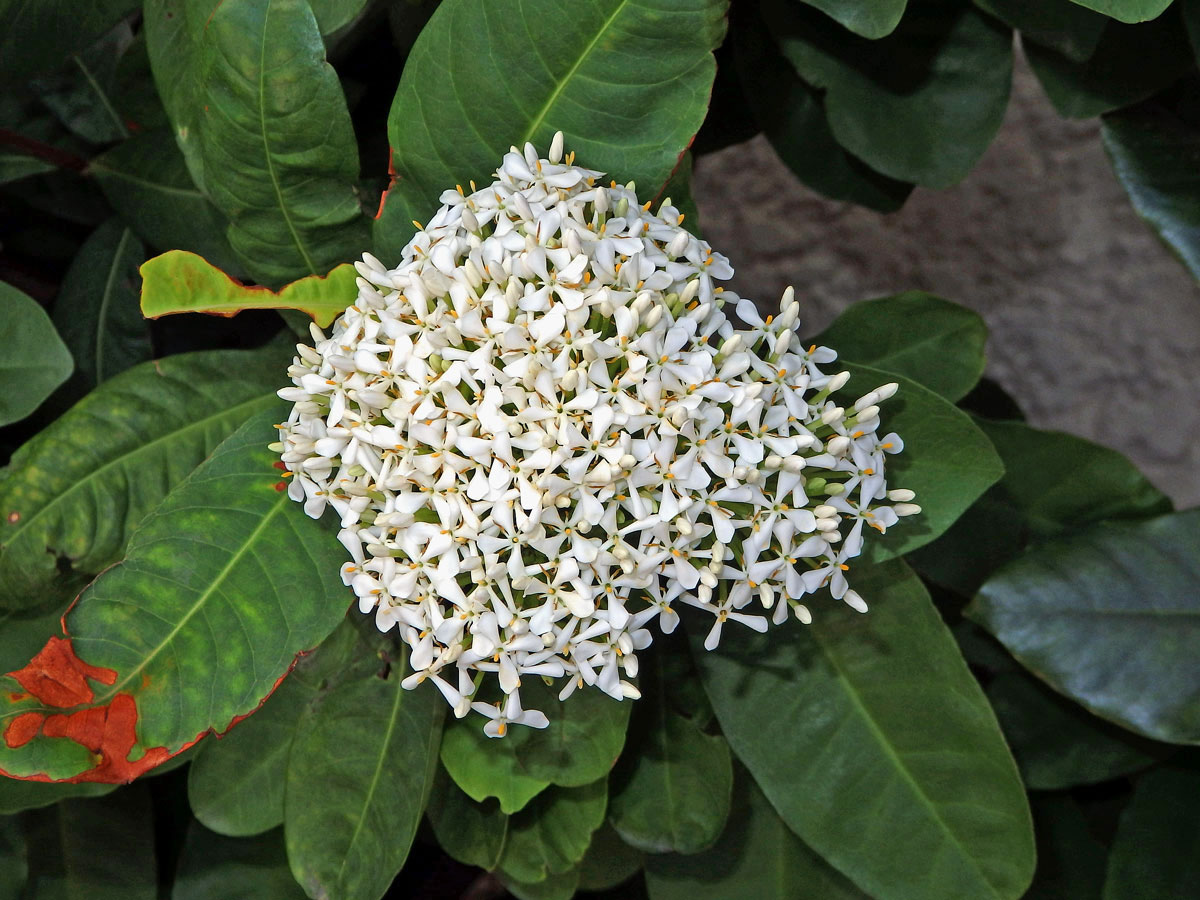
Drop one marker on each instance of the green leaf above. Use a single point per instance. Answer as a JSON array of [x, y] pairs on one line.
[[626, 81], [920, 105], [213, 867], [488, 767], [792, 116], [97, 311], [873, 741], [609, 861], [14, 863], [673, 794], [1153, 148], [38, 34], [334, 15], [80, 92], [95, 849], [146, 180], [280, 158], [1058, 744], [1127, 10], [868, 18], [221, 587], [552, 887], [371, 747], [1154, 855], [757, 856], [36, 361], [1070, 858], [236, 784], [472, 833], [178, 281], [1130, 63], [1109, 616], [1053, 482], [552, 833], [946, 460], [930, 340], [1060, 25], [78, 488]]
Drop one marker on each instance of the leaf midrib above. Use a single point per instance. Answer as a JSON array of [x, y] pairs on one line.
[[105, 299], [104, 101]]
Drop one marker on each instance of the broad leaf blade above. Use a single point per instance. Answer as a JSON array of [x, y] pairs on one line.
[[626, 81], [37, 34], [372, 747], [1127, 10], [1110, 617], [97, 310], [189, 633], [35, 362], [873, 741], [78, 488], [868, 18], [80, 92], [178, 282], [473, 833], [213, 867], [280, 158], [551, 834], [1059, 25], [930, 340], [484, 767]]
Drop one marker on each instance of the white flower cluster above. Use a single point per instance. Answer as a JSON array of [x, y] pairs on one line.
[[542, 434]]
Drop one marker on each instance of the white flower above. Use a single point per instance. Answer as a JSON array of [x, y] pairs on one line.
[[541, 433]]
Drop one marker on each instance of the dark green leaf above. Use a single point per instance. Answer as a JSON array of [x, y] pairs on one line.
[[221, 587], [220, 868], [38, 34], [280, 158], [359, 774], [1127, 10], [95, 849], [36, 361], [1130, 63], [134, 94], [757, 856], [473, 833], [552, 887], [1060, 25], [79, 487], [930, 340], [97, 310], [182, 282], [1058, 744], [14, 865], [333, 15], [946, 459], [552, 833], [793, 118], [1155, 151], [1070, 858], [609, 861], [147, 182], [871, 738], [488, 767], [869, 18], [1154, 855], [920, 105], [626, 81], [673, 793], [1110, 617], [81, 92]]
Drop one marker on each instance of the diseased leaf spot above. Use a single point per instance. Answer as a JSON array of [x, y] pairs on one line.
[[14, 517], [22, 729], [58, 677]]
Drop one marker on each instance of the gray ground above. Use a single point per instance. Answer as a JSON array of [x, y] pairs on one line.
[[1095, 327]]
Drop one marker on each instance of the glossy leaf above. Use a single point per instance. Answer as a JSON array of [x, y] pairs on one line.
[[97, 311], [487, 767], [1060, 25], [78, 488], [38, 34], [868, 18], [1154, 855], [472, 833], [174, 657], [1109, 616], [673, 794], [213, 867], [1130, 63], [792, 117], [280, 158], [178, 282], [930, 340], [1053, 482], [146, 180], [626, 81], [920, 105], [1070, 858], [1127, 10], [757, 856], [874, 743], [946, 459], [371, 747], [36, 360], [552, 833], [1153, 149]]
